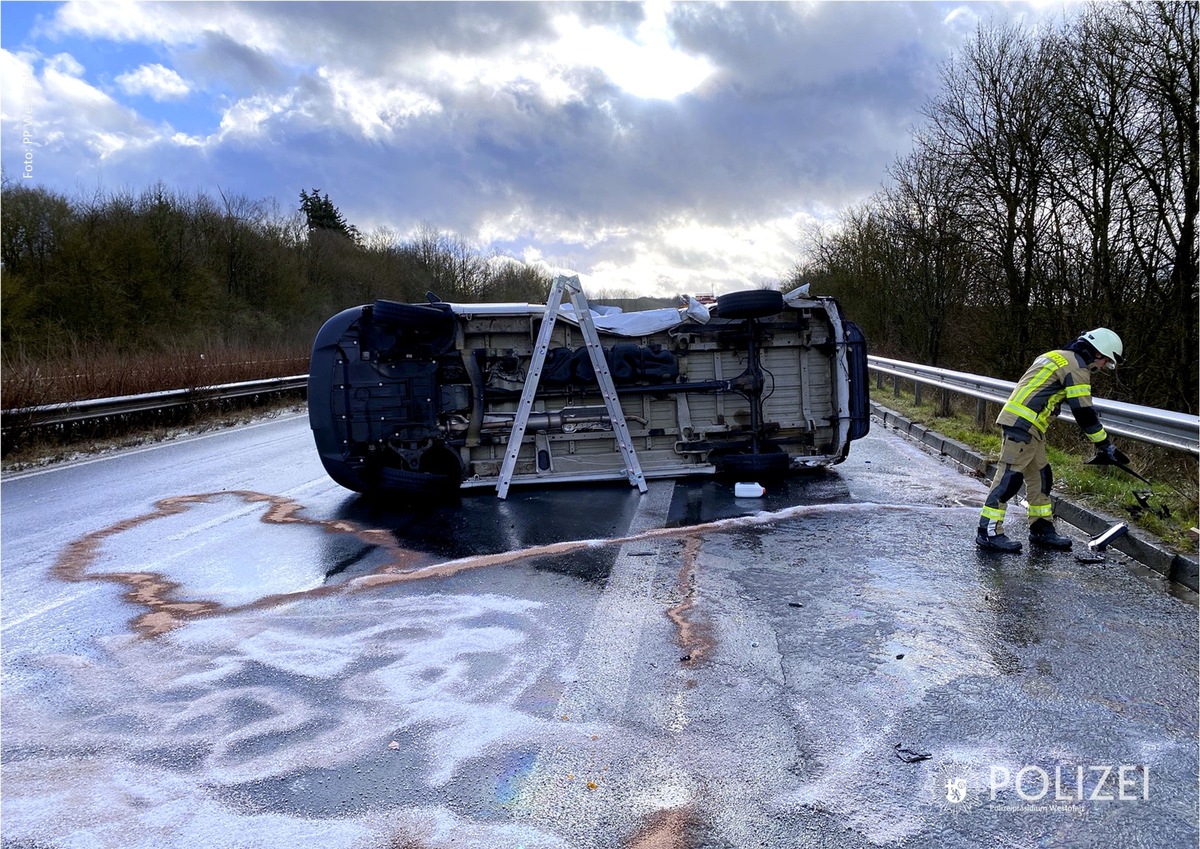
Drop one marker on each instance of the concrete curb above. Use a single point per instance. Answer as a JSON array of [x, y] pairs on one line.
[[1150, 553]]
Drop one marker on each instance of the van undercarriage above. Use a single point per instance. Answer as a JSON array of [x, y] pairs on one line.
[[423, 398]]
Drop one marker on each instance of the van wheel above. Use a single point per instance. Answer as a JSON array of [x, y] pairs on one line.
[[769, 464], [404, 482], [759, 303], [418, 315], [418, 324]]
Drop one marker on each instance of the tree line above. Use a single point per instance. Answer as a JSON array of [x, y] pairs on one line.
[[132, 271], [1052, 188]]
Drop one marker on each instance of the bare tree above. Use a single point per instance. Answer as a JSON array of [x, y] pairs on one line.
[[991, 123], [1052, 188], [935, 262], [448, 265], [1161, 44], [1097, 104]]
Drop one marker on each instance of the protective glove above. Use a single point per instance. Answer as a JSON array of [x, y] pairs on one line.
[[1113, 453]]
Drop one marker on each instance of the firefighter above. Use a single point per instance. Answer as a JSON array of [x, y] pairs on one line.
[[1054, 377]]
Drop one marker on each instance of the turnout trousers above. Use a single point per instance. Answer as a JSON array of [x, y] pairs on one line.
[[1020, 462]]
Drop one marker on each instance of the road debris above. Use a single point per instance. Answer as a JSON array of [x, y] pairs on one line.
[[911, 756]]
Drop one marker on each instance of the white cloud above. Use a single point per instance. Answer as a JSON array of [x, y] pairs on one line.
[[247, 118], [147, 23], [154, 81], [697, 257], [67, 116], [648, 66], [64, 64], [962, 20], [652, 147], [532, 73], [18, 86], [377, 108], [65, 94], [120, 20]]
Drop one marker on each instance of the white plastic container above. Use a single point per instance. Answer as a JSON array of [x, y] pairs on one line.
[[749, 490]]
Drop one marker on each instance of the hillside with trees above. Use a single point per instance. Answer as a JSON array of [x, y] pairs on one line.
[[1053, 188], [122, 293], [133, 272]]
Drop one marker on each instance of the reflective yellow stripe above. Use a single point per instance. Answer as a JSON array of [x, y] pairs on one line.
[[1039, 379], [1021, 412], [1016, 404], [1098, 436], [1039, 420], [1040, 510], [996, 513], [1051, 405], [1079, 392]]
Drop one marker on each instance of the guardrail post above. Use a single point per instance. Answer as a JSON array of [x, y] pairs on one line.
[[945, 403], [896, 386], [916, 393], [981, 413]]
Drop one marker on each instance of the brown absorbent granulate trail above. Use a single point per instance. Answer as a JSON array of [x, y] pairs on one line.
[[665, 830], [695, 639], [390, 574], [156, 592]]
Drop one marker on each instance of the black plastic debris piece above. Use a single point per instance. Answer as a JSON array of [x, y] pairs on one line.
[[795, 604], [1143, 497], [911, 756]]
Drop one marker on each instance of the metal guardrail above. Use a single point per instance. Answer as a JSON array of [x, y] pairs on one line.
[[1180, 431], [78, 411]]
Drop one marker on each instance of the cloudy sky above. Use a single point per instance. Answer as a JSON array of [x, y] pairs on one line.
[[649, 147]]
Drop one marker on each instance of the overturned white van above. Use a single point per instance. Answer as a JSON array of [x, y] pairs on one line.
[[426, 399]]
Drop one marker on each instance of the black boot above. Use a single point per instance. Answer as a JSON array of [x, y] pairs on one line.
[[1043, 535], [996, 542]]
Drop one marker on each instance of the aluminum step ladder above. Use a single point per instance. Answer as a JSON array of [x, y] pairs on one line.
[[583, 314]]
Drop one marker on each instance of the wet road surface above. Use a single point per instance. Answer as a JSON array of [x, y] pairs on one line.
[[210, 644]]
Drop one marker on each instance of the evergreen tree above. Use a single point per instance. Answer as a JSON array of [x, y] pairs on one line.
[[321, 214]]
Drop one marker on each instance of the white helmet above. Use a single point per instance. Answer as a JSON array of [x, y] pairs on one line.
[[1107, 344]]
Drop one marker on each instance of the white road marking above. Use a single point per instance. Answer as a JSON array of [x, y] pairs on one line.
[[41, 611], [557, 795]]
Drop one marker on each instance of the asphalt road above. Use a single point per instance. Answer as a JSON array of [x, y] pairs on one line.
[[209, 644]]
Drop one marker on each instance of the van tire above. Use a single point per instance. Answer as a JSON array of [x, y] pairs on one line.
[[758, 303], [769, 464], [404, 482], [416, 315], [418, 324]]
